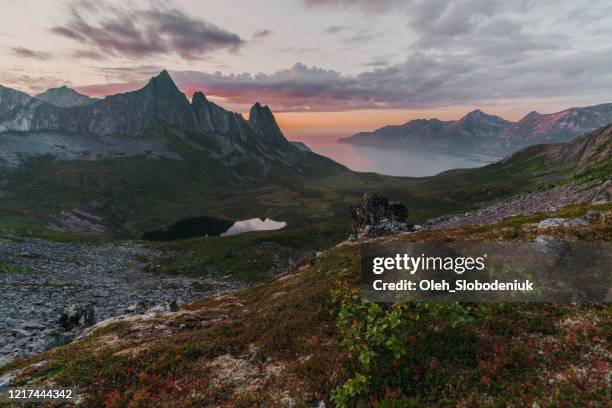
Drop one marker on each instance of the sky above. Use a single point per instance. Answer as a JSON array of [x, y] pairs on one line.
[[327, 68]]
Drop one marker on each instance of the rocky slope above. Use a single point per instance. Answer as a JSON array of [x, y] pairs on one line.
[[40, 279], [143, 113], [478, 132], [10, 100], [64, 97], [279, 345], [135, 113]]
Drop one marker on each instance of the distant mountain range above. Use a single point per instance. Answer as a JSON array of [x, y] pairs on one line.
[[142, 159], [478, 132], [136, 161], [155, 115]]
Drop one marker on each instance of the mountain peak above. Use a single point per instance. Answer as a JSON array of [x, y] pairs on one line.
[[164, 75], [64, 97], [162, 81], [198, 99], [475, 114], [532, 114], [258, 108], [262, 120]]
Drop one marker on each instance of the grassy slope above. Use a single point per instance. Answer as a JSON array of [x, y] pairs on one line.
[[141, 194], [326, 215], [278, 340]]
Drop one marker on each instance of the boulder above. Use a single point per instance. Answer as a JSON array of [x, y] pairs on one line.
[[139, 307], [164, 308], [376, 216], [592, 216], [562, 222], [375, 208], [552, 245], [57, 339], [77, 316]]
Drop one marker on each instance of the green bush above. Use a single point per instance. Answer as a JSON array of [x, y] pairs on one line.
[[380, 338]]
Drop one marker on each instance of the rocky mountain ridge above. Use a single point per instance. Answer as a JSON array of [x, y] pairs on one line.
[[157, 111], [131, 113], [478, 132], [64, 97]]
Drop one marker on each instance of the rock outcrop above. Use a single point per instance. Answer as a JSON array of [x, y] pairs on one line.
[[375, 216], [11, 99], [77, 316], [262, 120], [133, 113]]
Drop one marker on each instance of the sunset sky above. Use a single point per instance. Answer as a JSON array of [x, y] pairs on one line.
[[328, 68]]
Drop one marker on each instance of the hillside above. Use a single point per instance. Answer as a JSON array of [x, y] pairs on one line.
[[280, 344], [480, 133], [289, 338], [146, 158]]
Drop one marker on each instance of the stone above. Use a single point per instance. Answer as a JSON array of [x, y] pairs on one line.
[[375, 216], [561, 222], [540, 201], [552, 245], [372, 209], [77, 316], [70, 273], [168, 307], [32, 326], [57, 339], [139, 307], [20, 333], [592, 215], [6, 380]]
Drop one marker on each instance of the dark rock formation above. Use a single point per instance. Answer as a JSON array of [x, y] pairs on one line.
[[376, 216], [57, 339], [262, 120], [77, 316], [132, 113]]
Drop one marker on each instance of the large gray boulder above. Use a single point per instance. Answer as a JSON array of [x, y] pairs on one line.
[[375, 216], [77, 316]]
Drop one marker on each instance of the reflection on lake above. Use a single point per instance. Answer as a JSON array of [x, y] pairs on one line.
[[397, 161], [211, 226], [254, 224]]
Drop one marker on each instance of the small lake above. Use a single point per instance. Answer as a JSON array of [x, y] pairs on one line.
[[211, 226], [397, 161]]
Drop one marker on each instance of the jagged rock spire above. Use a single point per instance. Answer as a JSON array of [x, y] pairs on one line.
[[262, 120]]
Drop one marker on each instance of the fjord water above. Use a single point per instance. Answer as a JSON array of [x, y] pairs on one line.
[[211, 226], [397, 161]]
